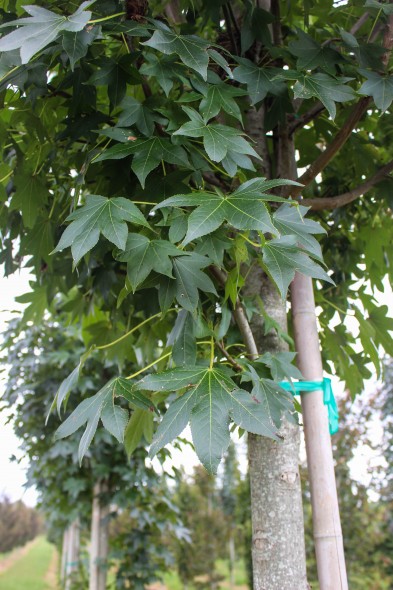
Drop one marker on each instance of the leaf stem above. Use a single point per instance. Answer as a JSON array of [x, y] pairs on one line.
[[134, 329], [164, 356], [105, 18], [250, 241], [211, 353]]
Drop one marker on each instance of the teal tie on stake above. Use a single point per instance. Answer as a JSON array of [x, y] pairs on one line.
[[328, 397]]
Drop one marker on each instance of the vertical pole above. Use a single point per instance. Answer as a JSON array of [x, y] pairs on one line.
[[328, 539], [64, 557], [99, 541], [72, 562]]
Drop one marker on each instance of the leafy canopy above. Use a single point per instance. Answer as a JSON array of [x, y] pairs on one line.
[[141, 183]]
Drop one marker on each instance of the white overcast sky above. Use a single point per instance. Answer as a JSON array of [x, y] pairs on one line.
[[12, 474]]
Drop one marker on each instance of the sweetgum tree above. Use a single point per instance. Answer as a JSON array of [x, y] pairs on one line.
[[150, 153]]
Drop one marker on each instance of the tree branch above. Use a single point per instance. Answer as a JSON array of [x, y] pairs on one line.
[[359, 23], [345, 131], [319, 204], [229, 358], [328, 154], [239, 316], [301, 120]]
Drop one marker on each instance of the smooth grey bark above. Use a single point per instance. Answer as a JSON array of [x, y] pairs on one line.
[[278, 549], [99, 544]]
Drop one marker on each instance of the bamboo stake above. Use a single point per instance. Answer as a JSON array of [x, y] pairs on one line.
[[99, 541], [72, 553], [64, 551], [328, 539]]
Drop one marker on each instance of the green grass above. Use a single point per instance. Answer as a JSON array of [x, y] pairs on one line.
[[222, 567], [28, 573], [172, 581]]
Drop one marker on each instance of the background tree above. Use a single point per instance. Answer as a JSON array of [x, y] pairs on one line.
[[18, 524], [136, 492]]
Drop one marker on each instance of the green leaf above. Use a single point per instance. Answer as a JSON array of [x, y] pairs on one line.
[[148, 154], [221, 61], [166, 293], [327, 89], [114, 419], [76, 44], [282, 259], [143, 255], [379, 87], [135, 429], [30, 196], [290, 220], [34, 33], [367, 338], [221, 97], [164, 69], [174, 421], [190, 49], [217, 139], [275, 401], [380, 321], [312, 55], [101, 405], [88, 410], [243, 209], [182, 339], [38, 303], [136, 113], [87, 437], [189, 278], [124, 388], [99, 215], [212, 400], [280, 364], [259, 81], [66, 386], [214, 247]]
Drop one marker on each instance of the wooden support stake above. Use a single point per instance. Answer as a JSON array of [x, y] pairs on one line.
[[99, 546], [73, 545], [328, 539]]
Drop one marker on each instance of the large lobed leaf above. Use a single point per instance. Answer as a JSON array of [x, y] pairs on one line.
[[34, 33], [99, 215], [210, 401]]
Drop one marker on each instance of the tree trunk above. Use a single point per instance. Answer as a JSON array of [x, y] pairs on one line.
[[278, 550], [99, 546], [326, 518], [64, 550], [73, 547], [278, 547], [232, 557]]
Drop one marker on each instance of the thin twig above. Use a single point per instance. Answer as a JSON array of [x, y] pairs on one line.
[[359, 23], [229, 358], [239, 315], [307, 117]]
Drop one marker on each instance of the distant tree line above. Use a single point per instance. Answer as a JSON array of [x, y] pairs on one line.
[[18, 524]]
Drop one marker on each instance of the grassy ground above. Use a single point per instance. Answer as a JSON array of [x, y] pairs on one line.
[[172, 582], [29, 572]]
